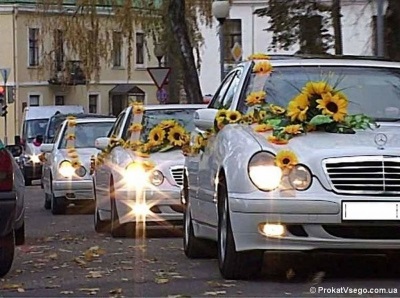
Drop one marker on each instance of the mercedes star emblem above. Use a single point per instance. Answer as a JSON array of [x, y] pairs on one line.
[[381, 140]]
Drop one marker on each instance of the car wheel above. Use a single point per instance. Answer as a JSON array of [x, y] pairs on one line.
[[233, 264], [100, 226], [119, 230], [7, 247], [58, 205], [20, 235], [47, 201]]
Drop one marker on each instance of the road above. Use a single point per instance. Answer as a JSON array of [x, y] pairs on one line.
[[64, 257]]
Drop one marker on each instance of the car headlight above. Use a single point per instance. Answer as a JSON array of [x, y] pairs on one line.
[[66, 169], [156, 178], [300, 177], [263, 172], [135, 173], [81, 171]]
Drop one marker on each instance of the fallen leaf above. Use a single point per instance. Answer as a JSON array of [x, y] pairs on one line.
[[116, 291], [161, 280], [94, 274], [53, 256], [52, 286], [20, 290], [214, 293], [89, 289], [11, 286], [66, 292], [79, 261], [290, 274]]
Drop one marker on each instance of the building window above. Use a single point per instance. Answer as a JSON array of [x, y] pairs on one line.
[[310, 35], [59, 100], [117, 49], [34, 100], [93, 101], [33, 46], [139, 48], [59, 49], [232, 35]]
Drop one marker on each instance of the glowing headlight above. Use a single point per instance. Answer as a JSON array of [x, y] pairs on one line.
[[66, 169], [135, 173], [156, 178], [34, 158], [300, 177], [140, 209], [263, 172]]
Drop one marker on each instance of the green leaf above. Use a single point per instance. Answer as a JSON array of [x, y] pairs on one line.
[[274, 122], [320, 119]]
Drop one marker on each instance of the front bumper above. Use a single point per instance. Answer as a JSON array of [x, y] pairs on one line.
[[73, 190], [311, 223], [32, 171], [8, 204], [164, 205]]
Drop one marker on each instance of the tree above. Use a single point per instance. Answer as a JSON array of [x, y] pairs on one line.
[[88, 26], [303, 22]]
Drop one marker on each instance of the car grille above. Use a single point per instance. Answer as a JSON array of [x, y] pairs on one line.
[[374, 175], [177, 174]]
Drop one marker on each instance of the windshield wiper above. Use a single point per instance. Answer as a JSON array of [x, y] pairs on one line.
[[387, 119]]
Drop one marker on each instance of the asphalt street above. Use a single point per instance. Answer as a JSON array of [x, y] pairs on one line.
[[64, 257]]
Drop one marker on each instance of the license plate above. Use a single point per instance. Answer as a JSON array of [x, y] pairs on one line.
[[370, 211]]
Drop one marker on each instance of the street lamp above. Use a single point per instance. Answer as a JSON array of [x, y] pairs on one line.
[[159, 52], [220, 10]]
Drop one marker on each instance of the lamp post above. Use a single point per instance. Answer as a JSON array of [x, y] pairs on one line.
[[159, 52], [220, 10]]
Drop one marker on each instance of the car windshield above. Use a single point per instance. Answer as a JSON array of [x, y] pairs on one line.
[[370, 90], [86, 134], [35, 127], [54, 125], [153, 117]]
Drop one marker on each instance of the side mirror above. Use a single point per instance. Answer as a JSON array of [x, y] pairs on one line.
[[204, 118], [102, 143], [47, 148], [16, 150]]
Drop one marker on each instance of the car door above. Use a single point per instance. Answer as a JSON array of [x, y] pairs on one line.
[[202, 165], [102, 172]]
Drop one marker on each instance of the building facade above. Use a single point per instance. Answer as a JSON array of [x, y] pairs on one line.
[[65, 84], [247, 30]]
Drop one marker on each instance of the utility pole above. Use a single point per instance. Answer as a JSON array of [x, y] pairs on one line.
[[380, 30], [5, 72]]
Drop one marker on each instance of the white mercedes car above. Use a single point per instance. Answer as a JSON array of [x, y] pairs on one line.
[[320, 169], [66, 169], [118, 184]]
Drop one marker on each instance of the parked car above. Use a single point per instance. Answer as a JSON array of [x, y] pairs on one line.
[[12, 211], [342, 189], [66, 170], [117, 205], [34, 124]]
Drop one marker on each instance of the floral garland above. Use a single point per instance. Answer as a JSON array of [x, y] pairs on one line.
[[71, 151]]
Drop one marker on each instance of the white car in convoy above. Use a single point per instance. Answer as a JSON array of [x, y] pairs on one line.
[[342, 188], [66, 170], [118, 204]]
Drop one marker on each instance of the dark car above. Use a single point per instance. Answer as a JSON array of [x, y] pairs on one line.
[[12, 223]]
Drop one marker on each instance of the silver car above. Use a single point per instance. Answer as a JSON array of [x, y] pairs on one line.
[[66, 170], [342, 191], [126, 197], [12, 210]]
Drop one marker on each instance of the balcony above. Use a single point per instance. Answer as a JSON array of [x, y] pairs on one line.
[[70, 73]]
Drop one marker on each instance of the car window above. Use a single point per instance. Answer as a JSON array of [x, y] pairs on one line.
[[217, 101], [117, 126], [56, 134], [86, 134], [233, 88], [35, 127], [125, 130]]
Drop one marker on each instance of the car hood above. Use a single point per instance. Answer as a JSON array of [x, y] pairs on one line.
[[84, 154], [165, 159]]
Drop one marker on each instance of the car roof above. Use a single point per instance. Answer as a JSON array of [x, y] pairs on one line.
[[80, 115], [93, 119], [45, 112], [174, 106]]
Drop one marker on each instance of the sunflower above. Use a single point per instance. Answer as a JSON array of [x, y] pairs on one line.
[[148, 165], [298, 107], [333, 106], [222, 113], [135, 127], [286, 159], [262, 67], [71, 123], [73, 155], [258, 56], [146, 147], [157, 135], [176, 136], [255, 98], [263, 128], [247, 119], [262, 114], [234, 116], [167, 124], [71, 150], [294, 129], [277, 141], [317, 88], [69, 118], [277, 110], [198, 141], [135, 144], [70, 137], [75, 163], [138, 109]]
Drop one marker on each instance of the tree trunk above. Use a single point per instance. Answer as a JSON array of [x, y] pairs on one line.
[[176, 11], [392, 32], [337, 27]]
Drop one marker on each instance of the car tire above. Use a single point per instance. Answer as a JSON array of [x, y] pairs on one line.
[[232, 264], [20, 235], [28, 182], [47, 201], [58, 205], [7, 248], [100, 226]]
